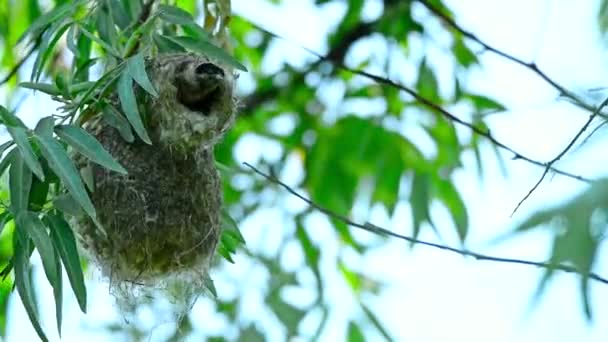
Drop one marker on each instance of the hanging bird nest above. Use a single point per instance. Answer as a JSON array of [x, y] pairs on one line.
[[162, 219]]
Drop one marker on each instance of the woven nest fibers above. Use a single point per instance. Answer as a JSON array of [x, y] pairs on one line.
[[162, 219]]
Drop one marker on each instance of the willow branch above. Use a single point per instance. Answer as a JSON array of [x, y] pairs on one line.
[[596, 111], [453, 118], [532, 66], [563, 152], [385, 232]]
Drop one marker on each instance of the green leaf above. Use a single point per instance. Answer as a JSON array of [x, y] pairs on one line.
[[49, 41], [5, 146], [45, 126], [58, 291], [288, 314], [376, 322], [54, 15], [354, 333], [449, 196], [100, 42], [463, 54], [19, 135], [114, 118], [105, 24], [225, 253], [175, 15], [20, 182], [38, 194], [137, 69], [68, 205], [65, 243], [484, 103], [165, 45], [427, 84], [9, 119], [129, 106], [230, 226], [23, 282], [208, 49], [87, 145], [46, 88], [419, 201], [62, 165], [210, 285], [36, 230], [7, 160]]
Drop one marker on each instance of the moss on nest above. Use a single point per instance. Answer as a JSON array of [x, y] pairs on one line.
[[162, 219]]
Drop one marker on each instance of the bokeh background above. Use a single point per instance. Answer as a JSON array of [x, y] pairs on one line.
[[374, 154]]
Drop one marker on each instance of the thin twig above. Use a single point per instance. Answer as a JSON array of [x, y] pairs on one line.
[[562, 153], [19, 64], [433, 106], [430, 104], [383, 231], [529, 65]]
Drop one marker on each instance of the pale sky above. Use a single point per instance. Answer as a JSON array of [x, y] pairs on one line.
[[430, 295]]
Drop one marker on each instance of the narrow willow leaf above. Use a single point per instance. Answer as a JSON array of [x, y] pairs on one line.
[[354, 333], [221, 250], [7, 160], [210, 285], [45, 126], [64, 168], [175, 15], [31, 224], [208, 49], [79, 87], [66, 204], [100, 42], [46, 88], [64, 241], [6, 145], [20, 183], [87, 145], [420, 201], [229, 243], [18, 133], [165, 45], [5, 216], [106, 26], [17, 130], [229, 225], [24, 283], [103, 81], [129, 106], [38, 194], [114, 118], [58, 291], [71, 40], [88, 178], [57, 13], [25, 149], [9, 119], [447, 193], [49, 41], [377, 323], [136, 67]]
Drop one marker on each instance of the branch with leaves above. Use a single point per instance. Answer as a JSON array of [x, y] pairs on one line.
[[446, 114], [385, 232], [532, 66]]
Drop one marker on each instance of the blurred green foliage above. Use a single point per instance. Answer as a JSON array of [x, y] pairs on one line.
[[343, 155]]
